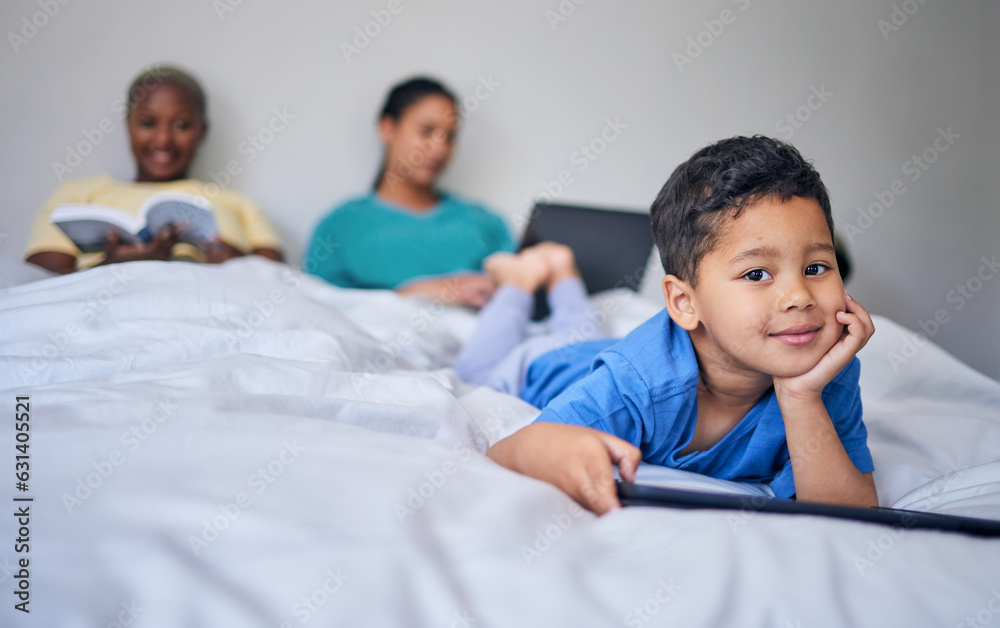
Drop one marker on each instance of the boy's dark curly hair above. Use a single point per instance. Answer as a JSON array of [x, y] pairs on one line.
[[720, 181]]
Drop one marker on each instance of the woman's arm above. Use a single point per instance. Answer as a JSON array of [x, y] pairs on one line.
[[114, 252], [261, 235], [62, 263], [270, 254]]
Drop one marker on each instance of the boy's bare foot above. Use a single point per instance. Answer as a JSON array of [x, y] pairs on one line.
[[528, 270], [562, 263]]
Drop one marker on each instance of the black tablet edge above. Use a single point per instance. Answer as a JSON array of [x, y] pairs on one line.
[[645, 495]]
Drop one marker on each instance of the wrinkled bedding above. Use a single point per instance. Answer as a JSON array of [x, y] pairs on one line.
[[244, 445]]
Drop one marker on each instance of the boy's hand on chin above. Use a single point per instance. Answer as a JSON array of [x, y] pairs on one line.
[[858, 329], [577, 460]]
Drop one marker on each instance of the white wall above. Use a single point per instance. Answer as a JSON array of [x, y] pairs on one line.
[[557, 86]]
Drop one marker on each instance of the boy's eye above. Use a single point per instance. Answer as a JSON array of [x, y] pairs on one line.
[[182, 126], [757, 274], [816, 269], [146, 122]]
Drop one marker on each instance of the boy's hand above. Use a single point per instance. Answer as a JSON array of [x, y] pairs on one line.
[[578, 460], [858, 329], [821, 468]]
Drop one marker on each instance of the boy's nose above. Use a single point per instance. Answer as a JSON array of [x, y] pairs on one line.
[[797, 294]]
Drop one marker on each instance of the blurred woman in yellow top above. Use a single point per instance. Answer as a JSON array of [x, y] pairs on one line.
[[166, 124]]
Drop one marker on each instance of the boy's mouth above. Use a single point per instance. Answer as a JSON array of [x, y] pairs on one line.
[[798, 335]]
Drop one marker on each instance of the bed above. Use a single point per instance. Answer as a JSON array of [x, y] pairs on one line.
[[244, 445]]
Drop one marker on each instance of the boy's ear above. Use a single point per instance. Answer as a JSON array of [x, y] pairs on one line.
[[680, 302]]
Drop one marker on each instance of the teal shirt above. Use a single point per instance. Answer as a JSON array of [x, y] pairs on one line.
[[371, 243]]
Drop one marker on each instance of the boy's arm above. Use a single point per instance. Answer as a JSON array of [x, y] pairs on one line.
[[578, 460], [821, 468], [586, 429]]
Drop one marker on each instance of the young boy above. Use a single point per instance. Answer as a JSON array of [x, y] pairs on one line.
[[748, 374]]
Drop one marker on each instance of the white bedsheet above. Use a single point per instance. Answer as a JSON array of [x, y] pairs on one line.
[[266, 450]]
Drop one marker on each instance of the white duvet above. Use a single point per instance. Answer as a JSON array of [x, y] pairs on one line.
[[246, 446]]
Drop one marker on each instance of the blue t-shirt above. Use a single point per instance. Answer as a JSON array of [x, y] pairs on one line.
[[644, 389], [371, 243]]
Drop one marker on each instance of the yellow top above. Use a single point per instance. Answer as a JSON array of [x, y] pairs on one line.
[[241, 223]]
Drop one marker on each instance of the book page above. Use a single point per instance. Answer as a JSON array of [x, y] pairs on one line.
[[88, 224], [192, 214]]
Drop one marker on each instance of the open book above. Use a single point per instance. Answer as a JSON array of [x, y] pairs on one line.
[[88, 224]]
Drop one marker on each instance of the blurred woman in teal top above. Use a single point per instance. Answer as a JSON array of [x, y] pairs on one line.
[[407, 235]]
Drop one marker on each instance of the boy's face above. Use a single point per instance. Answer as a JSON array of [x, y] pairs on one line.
[[768, 293], [165, 128]]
